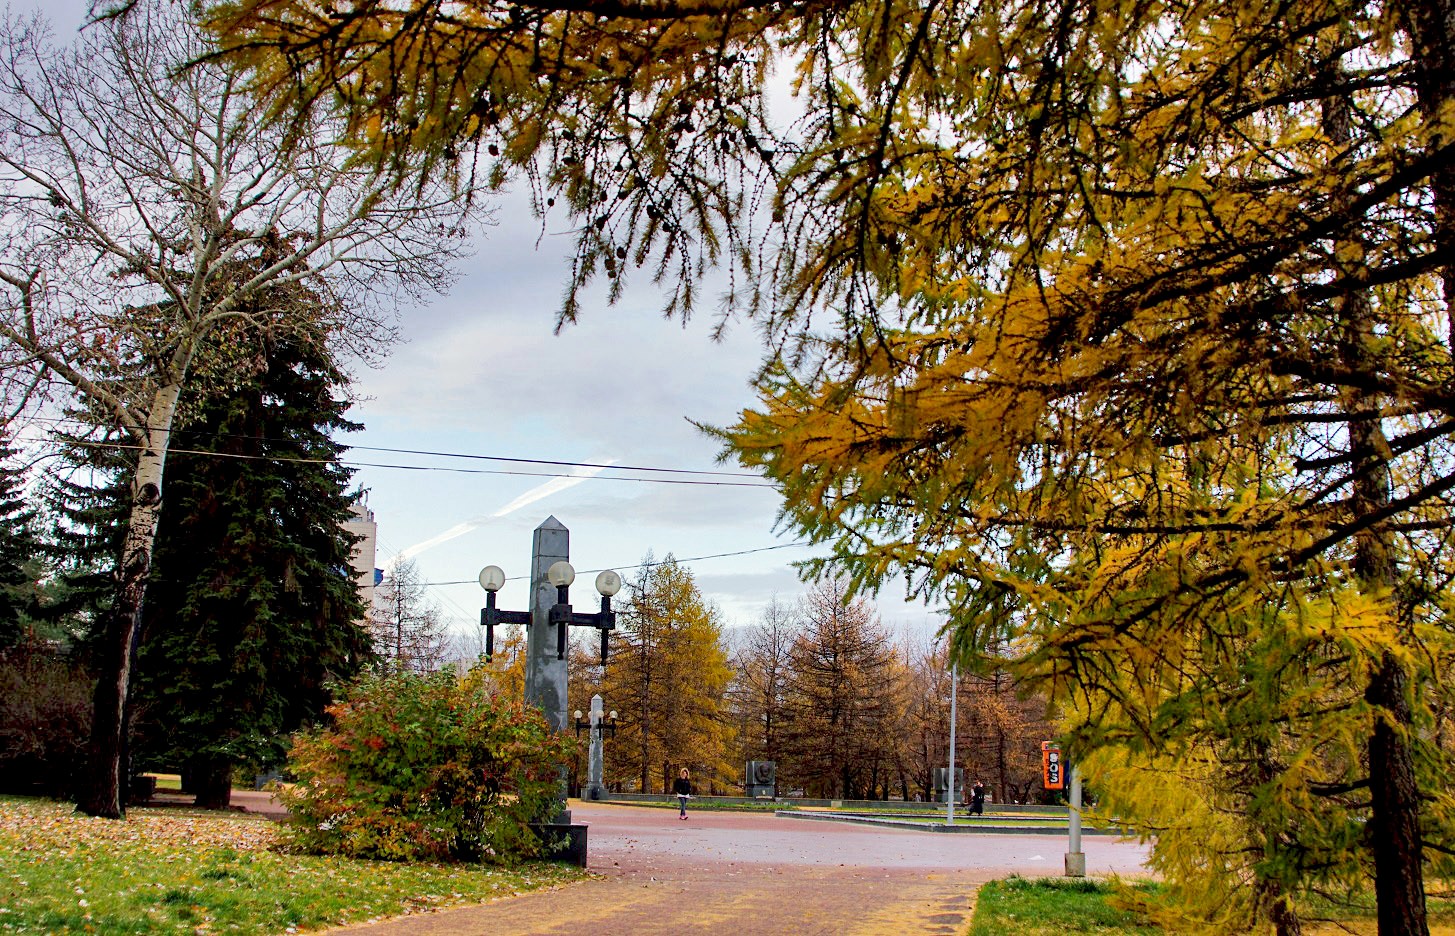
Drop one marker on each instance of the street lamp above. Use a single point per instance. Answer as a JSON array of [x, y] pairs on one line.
[[560, 575], [598, 726]]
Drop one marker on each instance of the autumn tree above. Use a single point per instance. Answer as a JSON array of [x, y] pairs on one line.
[[142, 205], [408, 630], [840, 695], [505, 668], [924, 734], [760, 681], [1103, 323], [999, 725], [668, 675]]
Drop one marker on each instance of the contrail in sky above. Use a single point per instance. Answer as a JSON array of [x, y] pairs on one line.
[[539, 492]]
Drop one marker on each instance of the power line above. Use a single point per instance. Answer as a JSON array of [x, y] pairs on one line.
[[560, 463], [284, 459], [546, 461], [639, 565], [459, 609]]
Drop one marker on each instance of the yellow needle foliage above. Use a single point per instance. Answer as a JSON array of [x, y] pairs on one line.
[[1121, 327]]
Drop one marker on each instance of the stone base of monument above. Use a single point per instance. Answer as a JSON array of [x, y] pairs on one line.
[[562, 842]]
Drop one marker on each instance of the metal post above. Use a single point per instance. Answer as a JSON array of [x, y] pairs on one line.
[[950, 797], [1075, 857]]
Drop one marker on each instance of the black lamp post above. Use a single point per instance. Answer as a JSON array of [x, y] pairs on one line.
[[561, 575], [601, 726]]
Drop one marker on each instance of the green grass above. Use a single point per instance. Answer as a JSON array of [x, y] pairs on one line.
[[1017, 906], [1032, 822], [697, 805], [167, 783], [164, 870], [1050, 906]]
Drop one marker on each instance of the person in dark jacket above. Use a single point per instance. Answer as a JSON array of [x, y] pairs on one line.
[[977, 799], [682, 787]]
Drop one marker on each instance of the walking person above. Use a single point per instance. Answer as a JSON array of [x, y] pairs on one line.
[[977, 799], [682, 787]]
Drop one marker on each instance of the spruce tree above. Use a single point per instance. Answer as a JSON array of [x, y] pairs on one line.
[[253, 610], [19, 551], [84, 504]]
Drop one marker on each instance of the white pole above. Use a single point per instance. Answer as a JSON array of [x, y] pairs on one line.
[[954, 691], [1075, 858]]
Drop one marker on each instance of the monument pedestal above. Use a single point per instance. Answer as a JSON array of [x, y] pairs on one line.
[[562, 842]]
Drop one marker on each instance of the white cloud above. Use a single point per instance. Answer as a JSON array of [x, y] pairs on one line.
[[538, 493]]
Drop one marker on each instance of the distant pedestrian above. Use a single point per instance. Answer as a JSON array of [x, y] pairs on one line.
[[977, 799], [682, 787]]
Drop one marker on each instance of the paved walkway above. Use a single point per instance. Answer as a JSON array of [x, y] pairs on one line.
[[731, 873]]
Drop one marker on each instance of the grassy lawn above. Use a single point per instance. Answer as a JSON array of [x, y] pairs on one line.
[[698, 805], [1034, 822], [170, 870], [1019, 906], [1049, 906]]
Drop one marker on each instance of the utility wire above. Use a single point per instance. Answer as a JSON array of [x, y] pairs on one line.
[[464, 455], [474, 471], [639, 565]]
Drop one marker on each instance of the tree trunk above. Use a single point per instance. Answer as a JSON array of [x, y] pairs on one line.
[[104, 787], [213, 781], [1279, 911], [1430, 25], [1394, 828], [1398, 850], [1000, 761]]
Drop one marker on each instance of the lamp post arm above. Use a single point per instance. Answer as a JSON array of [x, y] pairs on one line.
[[492, 617], [604, 620]]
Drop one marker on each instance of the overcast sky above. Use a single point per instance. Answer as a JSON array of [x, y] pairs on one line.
[[480, 372]]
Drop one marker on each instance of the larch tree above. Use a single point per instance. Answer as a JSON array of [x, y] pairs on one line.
[[668, 677], [408, 629], [924, 737], [143, 204], [1131, 318], [760, 681], [840, 695]]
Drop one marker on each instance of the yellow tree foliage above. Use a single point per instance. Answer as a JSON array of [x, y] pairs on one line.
[[842, 692], [1120, 326], [667, 676]]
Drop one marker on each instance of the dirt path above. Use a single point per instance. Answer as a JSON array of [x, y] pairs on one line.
[[731, 873]]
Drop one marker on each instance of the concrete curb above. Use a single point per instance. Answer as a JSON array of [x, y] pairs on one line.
[[941, 827]]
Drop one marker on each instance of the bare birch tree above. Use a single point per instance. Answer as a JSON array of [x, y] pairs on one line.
[[144, 205]]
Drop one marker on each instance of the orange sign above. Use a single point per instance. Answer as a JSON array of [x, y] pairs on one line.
[[1052, 775]]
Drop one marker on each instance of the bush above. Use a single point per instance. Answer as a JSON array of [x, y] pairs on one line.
[[45, 722], [424, 767]]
